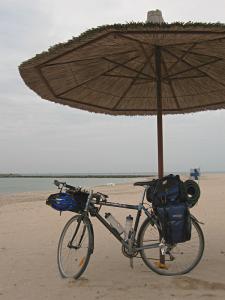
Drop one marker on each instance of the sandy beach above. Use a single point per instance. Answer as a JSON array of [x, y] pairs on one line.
[[29, 233]]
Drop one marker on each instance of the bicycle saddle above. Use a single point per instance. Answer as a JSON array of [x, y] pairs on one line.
[[143, 183]]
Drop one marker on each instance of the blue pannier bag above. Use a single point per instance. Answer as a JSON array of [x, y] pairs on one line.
[[175, 220], [74, 202]]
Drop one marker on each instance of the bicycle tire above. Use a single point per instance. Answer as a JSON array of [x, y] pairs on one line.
[[169, 268], [78, 264]]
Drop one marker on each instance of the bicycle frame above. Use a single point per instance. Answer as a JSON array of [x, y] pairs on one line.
[[139, 208]]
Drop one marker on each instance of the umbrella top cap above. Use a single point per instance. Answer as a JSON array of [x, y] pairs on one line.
[[155, 16]]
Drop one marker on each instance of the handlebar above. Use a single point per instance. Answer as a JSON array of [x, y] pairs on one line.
[[57, 183], [63, 184], [98, 196]]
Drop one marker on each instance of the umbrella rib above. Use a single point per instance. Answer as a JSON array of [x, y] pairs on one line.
[[93, 78], [200, 54], [143, 81], [139, 110], [190, 65], [206, 105], [192, 68], [129, 87], [132, 77], [141, 45], [200, 42], [174, 32], [148, 58], [203, 72], [126, 67], [125, 76], [85, 59], [212, 78], [175, 110], [188, 77], [78, 47], [185, 95], [83, 103], [132, 39], [100, 91], [73, 74], [181, 57], [170, 83], [45, 80]]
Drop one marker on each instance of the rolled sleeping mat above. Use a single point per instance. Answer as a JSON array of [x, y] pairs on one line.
[[192, 192]]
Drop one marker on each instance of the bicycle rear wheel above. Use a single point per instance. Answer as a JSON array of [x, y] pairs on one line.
[[179, 258], [75, 247]]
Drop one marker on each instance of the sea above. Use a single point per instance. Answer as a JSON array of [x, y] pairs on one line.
[[17, 185], [37, 184]]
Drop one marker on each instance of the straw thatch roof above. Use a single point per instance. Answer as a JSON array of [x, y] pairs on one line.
[[111, 69]]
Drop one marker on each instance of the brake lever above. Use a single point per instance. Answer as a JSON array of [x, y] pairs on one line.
[[56, 182], [61, 186], [105, 196]]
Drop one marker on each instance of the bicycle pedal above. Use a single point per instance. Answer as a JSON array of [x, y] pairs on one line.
[[161, 266]]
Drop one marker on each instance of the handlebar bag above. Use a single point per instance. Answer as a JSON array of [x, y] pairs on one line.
[[68, 201]]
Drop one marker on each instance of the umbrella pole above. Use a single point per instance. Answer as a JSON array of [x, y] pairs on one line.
[[159, 110], [159, 127]]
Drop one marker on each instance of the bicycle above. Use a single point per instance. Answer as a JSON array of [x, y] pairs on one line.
[[76, 243]]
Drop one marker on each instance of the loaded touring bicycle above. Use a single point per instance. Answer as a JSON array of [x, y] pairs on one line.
[[170, 240]]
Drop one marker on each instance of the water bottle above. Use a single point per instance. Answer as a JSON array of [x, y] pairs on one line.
[[128, 226], [114, 223]]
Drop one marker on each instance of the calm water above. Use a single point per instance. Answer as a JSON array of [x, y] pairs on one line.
[[16, 185]]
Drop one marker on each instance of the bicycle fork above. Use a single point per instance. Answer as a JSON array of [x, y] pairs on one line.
[[70, 244]]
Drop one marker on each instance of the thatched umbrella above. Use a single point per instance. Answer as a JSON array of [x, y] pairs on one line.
[[135, 69]]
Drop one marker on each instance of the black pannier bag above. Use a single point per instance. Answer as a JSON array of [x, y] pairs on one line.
[[168, 199], [175, 222], [170, 189]]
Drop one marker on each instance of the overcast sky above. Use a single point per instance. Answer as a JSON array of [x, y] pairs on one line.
[[38, 136]]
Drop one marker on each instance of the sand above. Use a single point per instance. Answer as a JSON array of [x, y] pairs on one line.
[[29, 233]]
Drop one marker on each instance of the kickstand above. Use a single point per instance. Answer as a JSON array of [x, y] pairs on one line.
[[132, 262]]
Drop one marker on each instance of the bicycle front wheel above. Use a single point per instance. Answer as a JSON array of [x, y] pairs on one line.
[[180, 258], [75, 247]]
